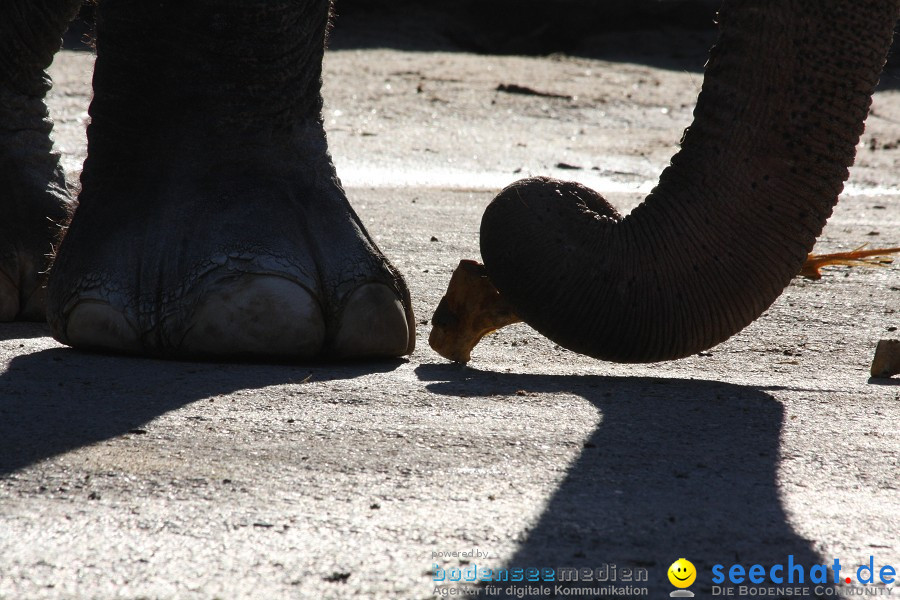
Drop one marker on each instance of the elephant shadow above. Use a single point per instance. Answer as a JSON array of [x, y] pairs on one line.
[[57, 400], [676, 468]]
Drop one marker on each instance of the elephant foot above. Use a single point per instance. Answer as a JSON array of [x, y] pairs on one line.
[[211, 223], [256, 256], [33, 205]]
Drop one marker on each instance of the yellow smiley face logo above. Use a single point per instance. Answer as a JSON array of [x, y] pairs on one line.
[[682, 573]]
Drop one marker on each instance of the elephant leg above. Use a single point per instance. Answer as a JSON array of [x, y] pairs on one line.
[[34, 199], [211, 222]]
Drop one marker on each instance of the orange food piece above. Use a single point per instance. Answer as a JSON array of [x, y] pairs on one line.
[[876, 257], [470, 309]]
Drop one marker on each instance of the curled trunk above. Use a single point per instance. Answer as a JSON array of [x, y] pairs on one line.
[[785, 94]]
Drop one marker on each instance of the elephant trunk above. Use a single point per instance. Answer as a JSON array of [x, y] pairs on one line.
[[785, 95]]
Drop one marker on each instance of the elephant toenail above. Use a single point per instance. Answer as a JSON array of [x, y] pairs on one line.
[[373, 324], [98, 326], [256, 315]]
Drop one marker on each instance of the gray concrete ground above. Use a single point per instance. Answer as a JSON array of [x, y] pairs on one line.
[[127, 478]]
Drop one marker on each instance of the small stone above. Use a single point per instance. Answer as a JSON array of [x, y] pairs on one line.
[[887, 359]]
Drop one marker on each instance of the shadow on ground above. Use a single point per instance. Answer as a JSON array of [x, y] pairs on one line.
[[673, 34], [670, 34], [677, 468], [667, 31], [54, 401]]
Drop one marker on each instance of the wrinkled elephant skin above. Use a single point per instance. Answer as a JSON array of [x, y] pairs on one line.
[[211, 221]]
